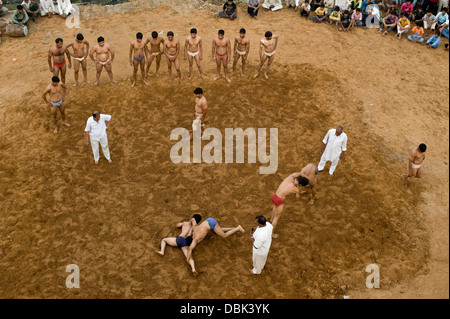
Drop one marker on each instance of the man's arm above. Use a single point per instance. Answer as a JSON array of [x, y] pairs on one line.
[[131, 53], [186, 44], [191, 248], [86, 137], [64, 90], [213, 49], [200, 49], [205, 110], [248, 50], [69, 59], [113, 54], [50, 59], [44, 95], [178, 48], [87, 48]]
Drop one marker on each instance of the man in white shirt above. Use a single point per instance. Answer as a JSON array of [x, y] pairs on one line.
[[47, 8], [272, 4], [32, 8], [334, 146], [3, 9], [262, 239], [95, 131], [64, 8]]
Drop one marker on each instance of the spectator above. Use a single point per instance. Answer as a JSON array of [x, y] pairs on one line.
[[47, 8], [315, 4], [346, 21], [343, 5], [32, 8], [442, 18], [292, 3], [3, 10], [356, 18], [320, 14], [274, 5], [253, 8], [417, 35], [229, 10], [329, 4], [407, 8], [444, 29], [95, 132], [434, 41], [403, 25], [389, 22], [432, 5], [20, 16], [335, 16], [418, 15], [64, 8], [429, 22], [305, 9], [442, 3], [262, 240]]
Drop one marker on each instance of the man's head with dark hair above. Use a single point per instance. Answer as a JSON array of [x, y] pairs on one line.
[[339, 130], [221, 32], [242, 31], [198, 91], [55, 79], [422, 148], [58, 40], [154, 34], [170, 34], [303, 181], [306, 1], [80, 37], [322, 5], [445, 10], [261, 220], [268, 34], [96, 114], [197, 218], [139, 35], [193, 31], [346, 12], [419, 23], [358, 10], [100, 39], [336, 8], [20, 7]]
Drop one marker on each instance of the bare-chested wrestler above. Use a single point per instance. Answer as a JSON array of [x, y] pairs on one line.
[[267, 51], [221, 53], [104, 57], [137, 57], [193, 50], [154, 52], [241, 50], [210, 224], [57, 52], [57, 94], [171, 50], [416, 158], [184, 240], [80, 52], [290, 185], [201, 108]]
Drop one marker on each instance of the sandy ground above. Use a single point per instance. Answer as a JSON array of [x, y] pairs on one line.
[[57, 208]]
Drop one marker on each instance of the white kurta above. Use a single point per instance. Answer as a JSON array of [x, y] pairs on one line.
[[47, 6], [276, 3], [261, 246], [335, 145], [64, 7]]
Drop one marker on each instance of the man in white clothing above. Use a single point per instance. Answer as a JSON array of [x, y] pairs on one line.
[[334, 146], [3, 9], [95, 131], [262, 239], [274, 5], [64, 7], [47, 8]]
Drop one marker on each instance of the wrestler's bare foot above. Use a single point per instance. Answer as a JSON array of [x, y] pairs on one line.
[[160, 252], [66, 124], [96, 83], [76, 84], [408, 190], [202, 76], [216, 78], [87, 81], [266, 76], [256, 75], [55, 130], [109, 161], [190, 77], [251, 271], [133, 84], [113, 81], [146, 83], [228, 79], [242, 230], [311, 202], [195, 273], [331, 175]]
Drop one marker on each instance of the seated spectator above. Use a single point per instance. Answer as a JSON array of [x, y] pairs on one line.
[[444, 29], [305, 9], [343, 5], [389, 22], [434, 41], [442, 17], [229, 10], [292, 4], [315, 4], [357, 18], [407, 8], [3, 10], [403, 25], [64, 8], [417, 16], [47, 8], [346, 21], [253, 8], [446, 47], [273, 5], [392, 8], [429, 22], [417, 35], [442, 3], [329, 5], [432, 5], [335, 16], [32, 8], [20, 16], [321, 14]]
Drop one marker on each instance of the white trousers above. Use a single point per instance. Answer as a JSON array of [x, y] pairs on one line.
[[259, 262], [275, 8], [427, 25], [105, 148], [322, 163]]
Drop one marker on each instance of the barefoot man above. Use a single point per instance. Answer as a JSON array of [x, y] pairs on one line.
[[171, 50], [57, 93], [184, 240], [104, 57], [290, 185], [59, 62], [241, 50], [201, 108], [267, 51], [137, 57], [416, 158], [193, 50], [155, 51], [202, 230], [221, 52], [80, 52]]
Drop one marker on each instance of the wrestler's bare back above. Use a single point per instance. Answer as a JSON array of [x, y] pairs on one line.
[[287, 187], [200, 104], [201, 231], [309, 172]]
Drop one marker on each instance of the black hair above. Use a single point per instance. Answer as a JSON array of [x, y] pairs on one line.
[[268, 34], [19, 7], [336, 8], [154, 34], [194, 30], [189, 240], [243, 31], [55, 79], [198, 91], [307, 1], [261, 219], [222, 32], [95, 114], [58, 40], [346, 12], [197, 218], [80, 37], [100, 39], [303, 181], [322, 5], [422, 147], [170, 34], [358, 9], [419, 23], [445, 9], [139, 35]]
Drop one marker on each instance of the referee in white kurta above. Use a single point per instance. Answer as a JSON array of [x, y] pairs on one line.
[[95, 132], [334, 146], [262, 239]]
